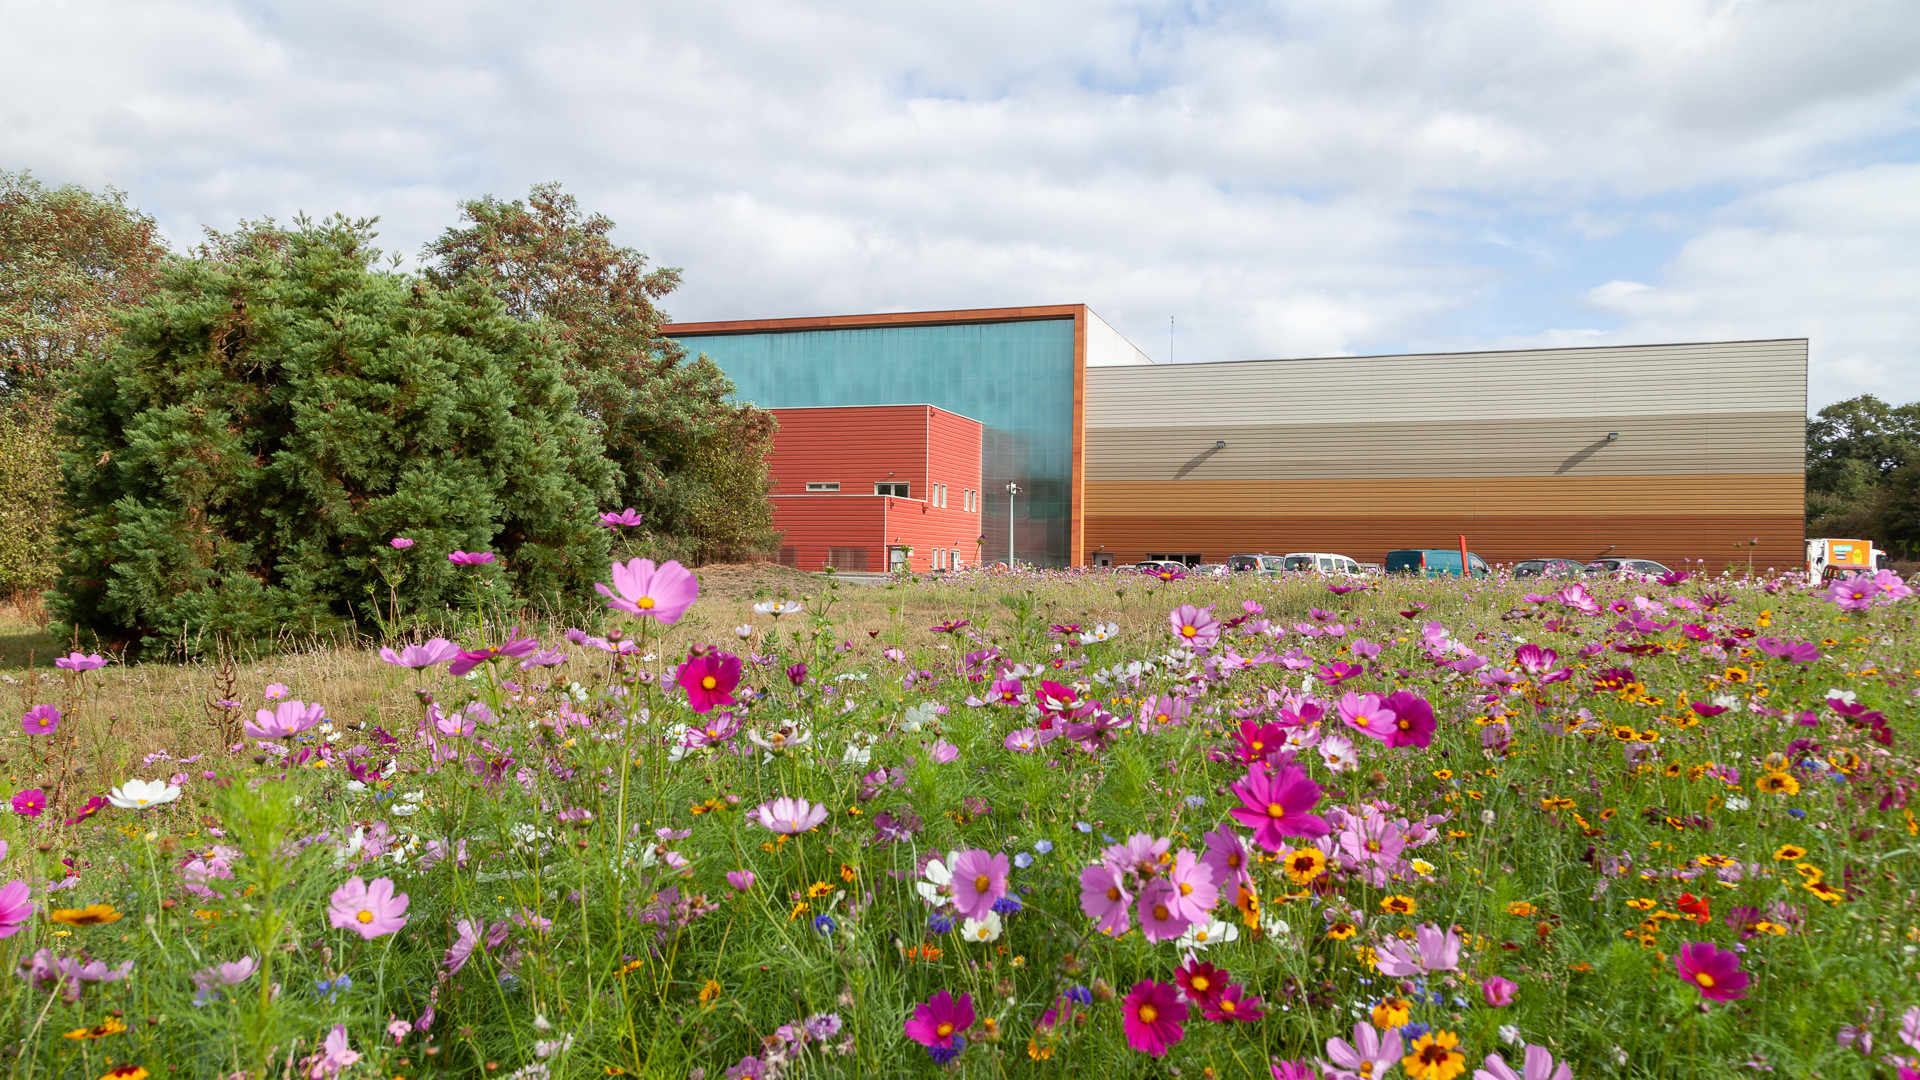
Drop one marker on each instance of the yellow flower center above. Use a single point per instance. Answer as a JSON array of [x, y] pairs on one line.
[[1187, 631], [1404, 723], [944, 1030], [365, 916], [1275, 810], [1186, 889], [1160, 912], [645, 603], [1148, 1014], [1200, 983], [1233, 861], [1705, 980], [1226, 1005], [708, 682], [982, 883]]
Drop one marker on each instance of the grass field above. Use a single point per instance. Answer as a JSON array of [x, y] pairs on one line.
[[1053, 823]]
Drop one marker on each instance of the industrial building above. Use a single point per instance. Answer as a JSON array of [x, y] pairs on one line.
[[1665, 452]]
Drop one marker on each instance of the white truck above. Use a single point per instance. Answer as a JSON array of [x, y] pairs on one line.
[[1828, 559]]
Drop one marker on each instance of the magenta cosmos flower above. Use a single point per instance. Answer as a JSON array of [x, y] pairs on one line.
[[30, 803], [1412, 719], [285, 720], [710, 680], [1369, 1054], [1853, 593], [81, 661], [639, 588], [514, 649], [16, 907], [1713, 969], [435, 651], [470, 558], [40, 720], [789, 815], [1497, 992], [1194, 891], [940, 1023], [1194, 626], [400, 543], [1366, 714], [368, 910], [624, 519], [979, 879], [1153, 1015], [1160, 919], [1278, 806]]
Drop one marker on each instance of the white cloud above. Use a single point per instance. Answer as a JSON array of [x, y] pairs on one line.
[[1288, 178]]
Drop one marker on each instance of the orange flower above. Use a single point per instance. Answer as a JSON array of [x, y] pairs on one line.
[[91, 915]]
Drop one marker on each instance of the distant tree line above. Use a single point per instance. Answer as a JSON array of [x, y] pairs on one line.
[[225, 441], [1863, 474]]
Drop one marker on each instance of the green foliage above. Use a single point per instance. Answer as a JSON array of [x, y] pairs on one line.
[[1863, 473], [31, 504], [692, 461], [280, 410]]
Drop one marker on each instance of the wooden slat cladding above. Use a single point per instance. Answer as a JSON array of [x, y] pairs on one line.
[[1690, 443], [1506, 538], [1626, 496]]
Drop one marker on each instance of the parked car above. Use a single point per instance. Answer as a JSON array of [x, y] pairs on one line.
[[1549, 567], [1320, 562], [1434, 562], [1154, 566], [1256, 564], [1646, 567]]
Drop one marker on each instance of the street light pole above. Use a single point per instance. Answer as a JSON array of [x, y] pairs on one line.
[[1012, 490]]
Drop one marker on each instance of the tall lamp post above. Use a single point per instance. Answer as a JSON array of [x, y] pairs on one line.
[[1012, 490]]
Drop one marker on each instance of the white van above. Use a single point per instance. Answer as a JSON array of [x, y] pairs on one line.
[[1321, 562]]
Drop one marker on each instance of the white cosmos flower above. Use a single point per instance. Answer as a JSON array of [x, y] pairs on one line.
[[1737, 802], [142, 794], [776, 608], [987, 929], [938, 876], [859, 749], [1203, 934], [744, 630]]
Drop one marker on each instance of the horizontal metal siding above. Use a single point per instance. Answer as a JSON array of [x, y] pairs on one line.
[[811, 524], [857, 447]]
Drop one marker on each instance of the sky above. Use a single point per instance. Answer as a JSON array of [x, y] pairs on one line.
[[1219, 181]]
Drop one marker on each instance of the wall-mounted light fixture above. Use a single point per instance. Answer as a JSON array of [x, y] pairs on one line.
[[1219, 444], [1613, 436]]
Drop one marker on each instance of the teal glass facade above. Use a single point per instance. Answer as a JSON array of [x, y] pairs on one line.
[[1016, 378]]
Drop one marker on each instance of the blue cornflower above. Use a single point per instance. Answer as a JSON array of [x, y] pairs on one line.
[[1083, 826], [943, 1054], [1080, 994], [1794, 811], [939, 924], [1196, 801], [1023, 860], [1044, 847], [1412, 1030], [332, 989], [824, 924], [1006, 905]]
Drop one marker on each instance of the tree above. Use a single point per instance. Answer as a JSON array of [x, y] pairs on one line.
[[1863, 473], [70, 263], [666, 420], [280, 410]]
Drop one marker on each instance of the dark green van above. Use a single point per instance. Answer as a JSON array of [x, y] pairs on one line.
[[1433, 562]]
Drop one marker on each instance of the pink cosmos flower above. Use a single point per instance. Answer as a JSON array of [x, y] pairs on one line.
[[91, 807], [625, 519], [470, 558], [1154, 1015], [400, 543], [940, 1021], [639, 588], [16, 907], [333, 1057], [1194, 891], [1005, 692], [1227, 856], [76, 661], [1199, 981], [1104, 898], [789, 815], [1278, 806], [514, 649], [31, 802], [285, 720], [1497, 992], [368, 910], [1160, 918], [41, 720], [1368, 1055], [1714, 970], [1852, 593], [1366, 714], [1539, 1066], [740, 880], [435, 651], [710, 680], [943, 752], [1157, 713], [1258, 740], [979, 879], [1294, 1070], [1234, 1004], [1412, 719], [1432, 949], [1194, 626]]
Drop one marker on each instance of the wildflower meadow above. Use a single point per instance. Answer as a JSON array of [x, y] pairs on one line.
[[1073, 823]]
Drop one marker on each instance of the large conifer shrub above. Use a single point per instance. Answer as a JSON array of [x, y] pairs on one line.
[[279, 411]]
